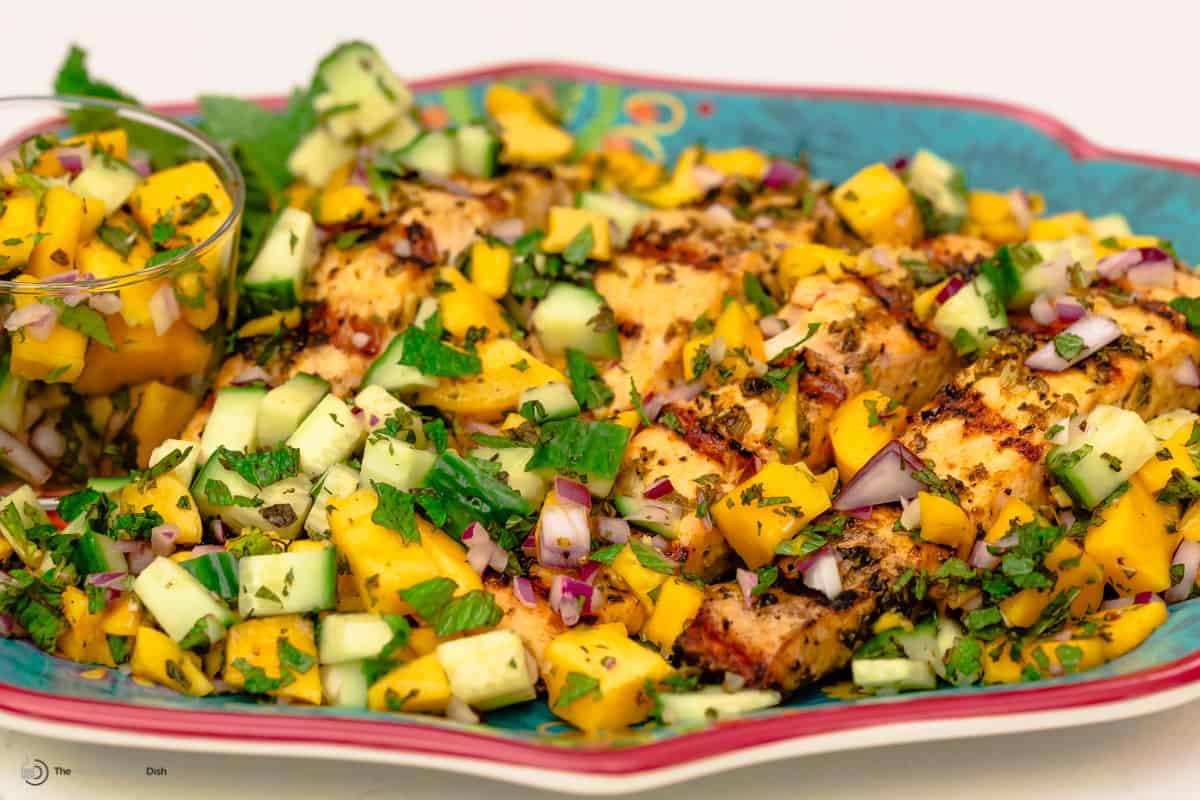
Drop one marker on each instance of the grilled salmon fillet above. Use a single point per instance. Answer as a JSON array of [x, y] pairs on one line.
[[984, 432]]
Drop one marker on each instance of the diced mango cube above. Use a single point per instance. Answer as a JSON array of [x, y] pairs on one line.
[[641, 580], [877, 205], [189, 196], [83, 640], [62, 218], [157, 658], [1133, 544], [465, 306], [1156, 472], [678, 603], [565, 223], [142, 355], [605, 657], [497, 388], [123, 616], [18, 230], [1123, 629], [528, 139], [743, 343], [420, 686], [861, 426], [256, 644], [944, 522], [491, 267], [167, 495], [768, 508], [785, 417], [744, 162], [57, 358], [161, 413], [681, 188], [801, 261], [990, 216], [1059, 226]]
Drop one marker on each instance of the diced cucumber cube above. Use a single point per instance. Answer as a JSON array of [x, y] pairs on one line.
[[623, 212], [182, 606], [185, 470], [216, 571], [318, 156], [329, 434], [109, 180], [576, 318], [351, 637], [478, 150], [97, 553], [345, 685], [378, 406], [713, 703], [892, 673], [19, 512], [387, 460], [1096, 460], [286, 406], [941, 185], [233, 422], [275, 278], [967, 318], [387, 371], [287, 583], [488, 670], [339, 481], [432, 152], [531, 485], [363, 95], [549, 401], [649, 515], [1167, 424]]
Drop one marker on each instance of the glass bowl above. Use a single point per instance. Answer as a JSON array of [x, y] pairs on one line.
[[113, 318]]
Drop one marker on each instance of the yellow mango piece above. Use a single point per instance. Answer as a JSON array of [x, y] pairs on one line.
[[18, 230], [495, 390], [257, 641], [60, 357], [743, 342], [641, 580], [1053, 657], [83, 640], [785, 417], [465, 306], [420, 686], [270, 323], [1015, 512], [678, 603], [381, 562], [877, 205], [999, 666], [630, 170], [627, 419], [889, 620], [565, 223], [96, 257], [191, 196], [530, 140], [1059, 226], [1156, 472], [114, 142], [142, 355], [861, 426], [1132, 543], [300, 195], [990, 216], [93, 216], [340, 205], [491, 268], [801, 261], [681, 188], [925, 303], [157, 658], [449, 558], [768, 508], [501, 99], [1123, 629], [62, 218], [1189, 526], [619, 667], [161, 413], [123, 616], [167, 495], [944, 522], [744, 162], [422, 640], [829, 480]]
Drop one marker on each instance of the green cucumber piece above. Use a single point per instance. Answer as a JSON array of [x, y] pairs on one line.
[[549, 401], [282, 506], [649, 515], [109, 180], [968, 318], [13, 390], [433, 152], [352, 637], [1110, 226], [397, 135], [329, 434], [378, 405], [1113, 446], [216, 571], [339, 480], [181, 605], [97, 553], [185, 470], [624, 212], [109, 486], [390, 461], [362, 95], [477, 150], [345, 685], [576, 318], [713, 703], [512, 460], [318, 156], [19, 512], [214, 470], [287, 583], [286, 406], [489, 670], [896, 674], [277, 274], [233, 422], [1167, 424], [387, 371], [942, 191]]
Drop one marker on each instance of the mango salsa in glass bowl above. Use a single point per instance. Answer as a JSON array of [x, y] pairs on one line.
[[118, 239]]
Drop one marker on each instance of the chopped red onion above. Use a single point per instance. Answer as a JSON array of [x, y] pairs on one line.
[[707, 178], [900, 163], [1185, 373], [205, 549], [569, 491], [613, 529], [8, 626], [140, 555], [1115, 265], [73, 296], [529, 546], [911, 517], [109, 303], [36, 319], [162, 539], [885, 478], [523, 590], [1043, 311], [164, 308], [402, 248], [659, 488], [863, 512], [110, 580], [570, 597], [587, 573], [1154, 254], [219, 531], [47, 440], [719, 215], [747, 580], [482, 550], [141, 166], [883, 257], [1115, 603], [1018, 203], [1142, 598], [982, 557], [952, 287], [1069, 309], [1187, 555], [472, 426], [1096, 331], [680, 393], [459, 711], [71, 161], [781, 174], [659, 542], [716, 349], [564, 537], [733, 682], [360, 340], [253, 374], [822, 574], [1152, 273], [22, 461], [508, 230], [772, 326]]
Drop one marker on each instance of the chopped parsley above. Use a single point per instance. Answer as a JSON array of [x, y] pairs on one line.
[[577, 686], [432, 357], [589, 389]]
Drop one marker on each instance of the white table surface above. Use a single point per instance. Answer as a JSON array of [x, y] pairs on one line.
[[1120, 72]]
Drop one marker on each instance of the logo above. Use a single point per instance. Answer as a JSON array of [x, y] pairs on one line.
[[35, 772]]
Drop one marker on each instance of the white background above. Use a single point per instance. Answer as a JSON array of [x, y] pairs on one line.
[[1123, 73]]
